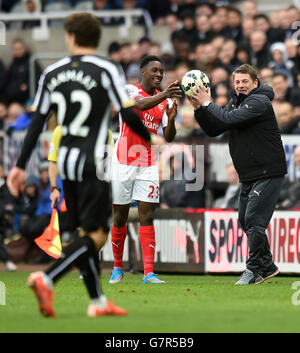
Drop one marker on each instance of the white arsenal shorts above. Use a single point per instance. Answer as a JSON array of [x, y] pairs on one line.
[[132, 183]]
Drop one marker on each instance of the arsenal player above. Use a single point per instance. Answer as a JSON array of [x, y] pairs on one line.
[[134, 165]]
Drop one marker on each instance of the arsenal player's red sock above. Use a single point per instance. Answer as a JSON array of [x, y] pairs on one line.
[[147, 239], [118, 236]]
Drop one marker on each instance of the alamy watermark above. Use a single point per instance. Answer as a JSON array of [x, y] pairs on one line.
[[2, 33], [177, 162], [296, 295], [2, 293], [296, 34]]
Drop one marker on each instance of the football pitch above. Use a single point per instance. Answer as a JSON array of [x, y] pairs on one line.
[[186, 304]]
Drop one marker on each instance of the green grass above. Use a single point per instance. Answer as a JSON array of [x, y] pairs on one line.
[[185, 304]]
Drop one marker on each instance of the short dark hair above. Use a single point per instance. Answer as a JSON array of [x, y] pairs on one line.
[[113, 47], [233, 9], [85, 27], [147, 59], [281, 74], [263, 16], [246, 69]]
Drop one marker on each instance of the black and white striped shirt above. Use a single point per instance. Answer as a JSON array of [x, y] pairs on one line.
[[79, 89]]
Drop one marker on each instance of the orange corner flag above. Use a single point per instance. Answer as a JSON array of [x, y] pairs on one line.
[[49, 241]]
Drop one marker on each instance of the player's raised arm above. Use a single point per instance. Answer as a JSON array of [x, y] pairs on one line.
[[172, 91]]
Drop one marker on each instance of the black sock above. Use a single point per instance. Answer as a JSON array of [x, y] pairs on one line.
[[82, 254]]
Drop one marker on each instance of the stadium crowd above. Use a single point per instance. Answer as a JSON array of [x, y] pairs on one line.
[[215, 37]]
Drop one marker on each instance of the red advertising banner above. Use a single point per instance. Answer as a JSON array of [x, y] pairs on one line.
[[226, 247]]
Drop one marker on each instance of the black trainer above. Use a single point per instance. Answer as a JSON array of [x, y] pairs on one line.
[[272, 271]]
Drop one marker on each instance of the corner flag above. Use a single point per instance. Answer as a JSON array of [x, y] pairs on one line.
[[49, 241]]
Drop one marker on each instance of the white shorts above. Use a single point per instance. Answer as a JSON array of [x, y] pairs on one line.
[[131, 183]]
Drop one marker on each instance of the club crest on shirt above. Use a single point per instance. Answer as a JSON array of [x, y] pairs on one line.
[[161, 107]]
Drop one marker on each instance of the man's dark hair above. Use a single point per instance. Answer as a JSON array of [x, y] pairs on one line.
[[246, 69], [261, 15], [85, 27], [144, 40], [114, 47], [147, 59], [233, 9], [281, 74]]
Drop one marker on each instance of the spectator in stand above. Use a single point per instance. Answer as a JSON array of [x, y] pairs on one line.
[[231, 197], [210, 57], [248, 26], [158, 10], [286, 17], [266, 75], [14, 110], [249, 9], [216, 26], [145, 45], [178, 181], [242, 55], [128, 5], [217, 42], [188, 32], [33, 7], [283, 91], [203, 27], [133, 70], [16, 80], [25, 206], [199, 59], [292, 50], [100, 5], [222, 89], [293, 16], [280, 62], [284, 115], [259, 53], [175, 6], [21, 123], [221, 101], [218, 75], [222, 15], [205, 8], [274, 19], [173, 22], [181, 69], [125, 56], [186, 123], [290, 191], [155, 49], [169, 77], [226, 57], [114, 52], [262, 23], [184, 53], [234, 20]]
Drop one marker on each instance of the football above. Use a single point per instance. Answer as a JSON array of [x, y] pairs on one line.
[[190, 78]]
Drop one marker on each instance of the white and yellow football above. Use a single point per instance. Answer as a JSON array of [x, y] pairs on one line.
[[190, 78]]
